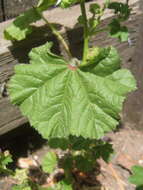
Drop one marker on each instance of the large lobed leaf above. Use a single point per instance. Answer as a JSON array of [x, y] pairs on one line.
[[59, 99]]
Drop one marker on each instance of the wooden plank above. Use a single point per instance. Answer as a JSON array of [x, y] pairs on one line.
[[11, 112], [133, 109], [15, 7], [1, 11], [12, 54]]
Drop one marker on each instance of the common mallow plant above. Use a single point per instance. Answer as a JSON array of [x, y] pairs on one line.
[[72, 103]]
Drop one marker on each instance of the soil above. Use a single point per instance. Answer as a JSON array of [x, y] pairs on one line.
[[127, 142]]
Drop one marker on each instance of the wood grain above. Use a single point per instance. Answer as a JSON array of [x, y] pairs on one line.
[[1, 12], [15, 7]]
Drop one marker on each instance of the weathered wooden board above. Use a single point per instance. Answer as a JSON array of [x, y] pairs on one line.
[[133, 109], [11, 55], [12, 8], [1, 12]]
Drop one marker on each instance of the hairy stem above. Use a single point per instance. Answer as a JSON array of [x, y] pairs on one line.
[[86, 36], [58, 35]]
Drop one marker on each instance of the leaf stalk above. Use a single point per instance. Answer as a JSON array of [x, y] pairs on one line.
[[57, 34], [86, 33]]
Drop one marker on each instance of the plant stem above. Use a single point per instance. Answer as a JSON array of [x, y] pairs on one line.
[[57, 34], [86, 36]]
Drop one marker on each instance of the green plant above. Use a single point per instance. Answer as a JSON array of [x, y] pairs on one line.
[[5, 159], [72, 103], [137, 177]]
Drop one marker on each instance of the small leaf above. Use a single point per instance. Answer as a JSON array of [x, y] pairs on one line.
[[49, 162], [21, 187], [118, 31], [45, 4], [5, 159], [83, 163], [80, 19], [58, 143], [103, 61], [68, 163], [62, 98], [106, 3], [137, 176], [122, 9], [45, 188], [21, 26], [104, 150], [79, 143], [64, 185], [68, 3], [94, 8], [21, 175]]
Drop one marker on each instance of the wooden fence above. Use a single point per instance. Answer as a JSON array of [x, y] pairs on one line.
[[12, 8]]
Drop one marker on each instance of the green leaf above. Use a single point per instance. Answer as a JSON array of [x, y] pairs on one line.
[[43, 54], [94, 8], [21, 26], [83, 163], [5, 159], [106, 3], [61, 185], [137, 176], [79, 143], [45, 188], [45, 4], [67, 163], [67, 3], [103, 150], [118, 31], [58, 143], [121, 9], [80, 19], [64, 185], [103, 61], [21, 187], [61, 100], [21, 175], [49, 162]]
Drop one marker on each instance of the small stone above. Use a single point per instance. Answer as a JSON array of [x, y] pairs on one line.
[[26, 163]]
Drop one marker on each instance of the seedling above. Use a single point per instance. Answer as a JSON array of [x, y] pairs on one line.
[[72, 103]]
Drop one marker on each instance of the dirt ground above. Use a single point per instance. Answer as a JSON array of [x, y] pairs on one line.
[[127, 144], [128, 148]]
